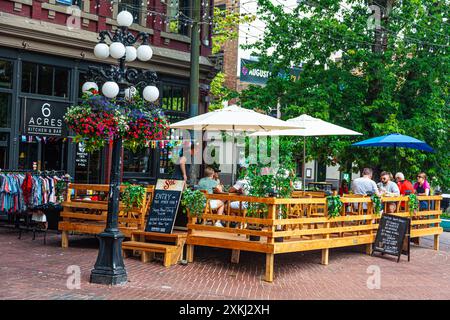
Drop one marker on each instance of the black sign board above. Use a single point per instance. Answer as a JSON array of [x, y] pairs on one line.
[[163, 210], [390, 238], [81, 157], [44, 118]]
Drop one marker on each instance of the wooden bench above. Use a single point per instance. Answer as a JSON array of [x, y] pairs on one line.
[[89, 216], [144, 243]]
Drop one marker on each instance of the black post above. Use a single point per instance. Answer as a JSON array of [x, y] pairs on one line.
[[109, 268]]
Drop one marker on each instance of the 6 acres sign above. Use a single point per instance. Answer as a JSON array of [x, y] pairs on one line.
[[44, 118]]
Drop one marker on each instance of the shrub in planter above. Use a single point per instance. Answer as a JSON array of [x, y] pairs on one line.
[[193, 202], [132, 196]]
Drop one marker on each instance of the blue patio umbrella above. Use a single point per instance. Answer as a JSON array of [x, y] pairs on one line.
[[395, 140]]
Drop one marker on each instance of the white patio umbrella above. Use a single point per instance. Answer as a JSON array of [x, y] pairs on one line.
[[236, 119], [311, 127]]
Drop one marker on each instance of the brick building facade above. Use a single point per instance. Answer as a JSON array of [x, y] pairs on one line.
[[46, 47]]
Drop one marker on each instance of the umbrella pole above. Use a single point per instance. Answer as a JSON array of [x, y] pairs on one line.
[[232, 159], [304, 164], [395, 159]]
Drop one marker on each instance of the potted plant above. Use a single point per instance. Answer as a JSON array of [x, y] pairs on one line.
[[194, 203], [413, 204], [334, 204], [264, 183], [259, 186], [132, 196]]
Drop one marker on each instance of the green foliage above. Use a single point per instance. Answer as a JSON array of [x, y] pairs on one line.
[[413, 203], [265, 181], [334, 206], [132, 196], [401, 88], [226, 26], [445, 216], [61, 188], [219, 92], [194, 201], [377, 205]]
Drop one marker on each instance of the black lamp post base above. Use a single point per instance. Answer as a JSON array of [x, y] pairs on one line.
[[109, 268]]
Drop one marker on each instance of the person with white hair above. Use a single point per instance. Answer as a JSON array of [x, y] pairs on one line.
[[404, 185]]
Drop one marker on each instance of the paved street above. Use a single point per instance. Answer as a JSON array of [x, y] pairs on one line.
[[32, 270]]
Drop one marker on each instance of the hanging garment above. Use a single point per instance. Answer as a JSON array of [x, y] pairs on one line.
[[27, 188]]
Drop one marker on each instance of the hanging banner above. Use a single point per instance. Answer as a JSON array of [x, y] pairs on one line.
[[44, 118], [252, 74]]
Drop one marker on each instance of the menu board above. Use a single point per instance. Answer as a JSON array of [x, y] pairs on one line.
[[391, 236], [166, 201]]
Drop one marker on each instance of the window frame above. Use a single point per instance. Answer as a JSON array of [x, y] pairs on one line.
[[181, 29], [37, 66]]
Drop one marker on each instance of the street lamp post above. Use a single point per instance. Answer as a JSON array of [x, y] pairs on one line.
[[118, 81]]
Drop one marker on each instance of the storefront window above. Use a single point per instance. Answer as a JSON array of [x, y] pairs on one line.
[[44, 79], [175, 98], [60, 86], [5, 110], [87, 165], [174, 7], [4, 139], [138, 162], [166, 163], [43, 153], [5, 74]]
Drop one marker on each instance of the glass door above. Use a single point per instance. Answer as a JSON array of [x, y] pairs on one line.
[[42, 153]]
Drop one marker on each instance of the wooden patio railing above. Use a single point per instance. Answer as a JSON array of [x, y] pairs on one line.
[[302, 223]]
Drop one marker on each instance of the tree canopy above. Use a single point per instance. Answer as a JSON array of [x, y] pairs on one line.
[[390, 75]]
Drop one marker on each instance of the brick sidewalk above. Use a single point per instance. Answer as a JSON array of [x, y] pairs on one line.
[[32, 270]]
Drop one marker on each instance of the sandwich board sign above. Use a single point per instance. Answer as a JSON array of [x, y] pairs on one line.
[[391, 234], [165, 203]]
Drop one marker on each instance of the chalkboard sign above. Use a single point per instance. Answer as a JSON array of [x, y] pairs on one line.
[[163, 210], [391, 234]]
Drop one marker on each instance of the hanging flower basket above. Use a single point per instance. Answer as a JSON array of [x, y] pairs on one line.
[[98, 120], [144, 126]]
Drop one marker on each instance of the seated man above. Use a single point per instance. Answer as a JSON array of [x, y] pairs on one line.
[[240, 187], [210, 185], [388, 188], [365, 186]]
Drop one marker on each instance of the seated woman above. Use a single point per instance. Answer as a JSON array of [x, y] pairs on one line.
[[343, 189], [240, 187], [422, 188], [211, 185]]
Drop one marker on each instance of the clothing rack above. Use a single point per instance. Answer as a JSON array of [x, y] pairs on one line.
[[33, 171], [23, 220]]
